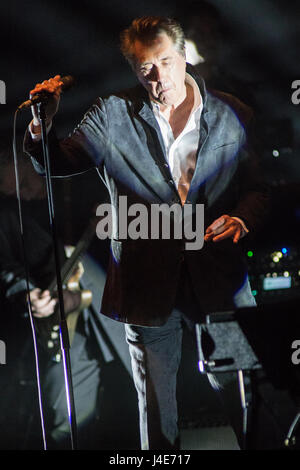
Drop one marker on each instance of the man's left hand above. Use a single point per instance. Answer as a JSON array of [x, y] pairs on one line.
[[222, 228]]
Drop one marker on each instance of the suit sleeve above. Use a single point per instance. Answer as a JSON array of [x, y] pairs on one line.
[[85, 148], [253, 192]]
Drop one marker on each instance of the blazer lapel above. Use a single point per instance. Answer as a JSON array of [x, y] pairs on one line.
[[161, 180], [203, 165]]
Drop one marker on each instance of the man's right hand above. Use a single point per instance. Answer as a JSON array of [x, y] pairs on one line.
[[52, 86]]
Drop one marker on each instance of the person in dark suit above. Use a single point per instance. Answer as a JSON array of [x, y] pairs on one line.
[[168, 141]]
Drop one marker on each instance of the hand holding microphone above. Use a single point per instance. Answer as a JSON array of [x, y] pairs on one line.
[[47, 92]]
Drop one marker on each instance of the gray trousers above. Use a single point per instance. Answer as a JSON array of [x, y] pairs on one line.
[[155, 356]]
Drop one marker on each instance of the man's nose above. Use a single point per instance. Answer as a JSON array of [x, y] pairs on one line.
[[158, 73]]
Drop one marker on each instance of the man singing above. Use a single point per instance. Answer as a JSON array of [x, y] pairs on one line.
[[166, 141]]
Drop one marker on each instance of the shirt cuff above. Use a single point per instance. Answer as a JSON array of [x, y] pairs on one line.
[[244, 228], [38, 137]]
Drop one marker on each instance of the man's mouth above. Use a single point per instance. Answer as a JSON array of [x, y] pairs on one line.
[[165, 90]]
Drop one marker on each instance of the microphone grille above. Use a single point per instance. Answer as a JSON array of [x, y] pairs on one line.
[[68, 82]]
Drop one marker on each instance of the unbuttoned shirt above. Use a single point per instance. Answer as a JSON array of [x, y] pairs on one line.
[[182, 152]]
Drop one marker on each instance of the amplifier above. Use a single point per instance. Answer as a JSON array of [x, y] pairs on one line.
[[274, 274]]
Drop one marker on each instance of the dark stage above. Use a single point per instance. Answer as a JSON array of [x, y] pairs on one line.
[[249, 49]]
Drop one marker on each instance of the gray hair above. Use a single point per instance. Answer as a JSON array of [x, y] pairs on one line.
[[146, 29]]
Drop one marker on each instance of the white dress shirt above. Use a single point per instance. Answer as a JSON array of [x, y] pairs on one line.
[[182, 151]]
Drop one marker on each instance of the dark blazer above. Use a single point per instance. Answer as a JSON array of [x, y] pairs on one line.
[[120, 136]]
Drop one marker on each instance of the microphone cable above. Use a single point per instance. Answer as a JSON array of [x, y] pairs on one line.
[[27, 283]]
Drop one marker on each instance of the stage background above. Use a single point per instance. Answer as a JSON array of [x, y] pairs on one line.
[[255, 51]]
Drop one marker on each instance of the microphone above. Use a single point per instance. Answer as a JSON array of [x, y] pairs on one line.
[[67, 82]]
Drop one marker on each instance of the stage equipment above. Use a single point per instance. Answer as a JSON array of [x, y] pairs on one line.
[[274, 273], [248, 340]]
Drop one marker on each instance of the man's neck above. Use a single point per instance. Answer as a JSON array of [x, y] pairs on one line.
[[177, 116], [186, 102]]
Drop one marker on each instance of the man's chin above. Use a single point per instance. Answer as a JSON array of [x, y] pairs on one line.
[[164, 100], [165, 95]]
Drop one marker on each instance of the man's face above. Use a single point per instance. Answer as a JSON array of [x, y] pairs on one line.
[[161, 70]]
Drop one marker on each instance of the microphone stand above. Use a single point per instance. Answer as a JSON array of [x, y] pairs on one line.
[[64, 334]]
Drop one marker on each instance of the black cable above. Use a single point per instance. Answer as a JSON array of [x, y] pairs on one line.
[[27, 283]]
